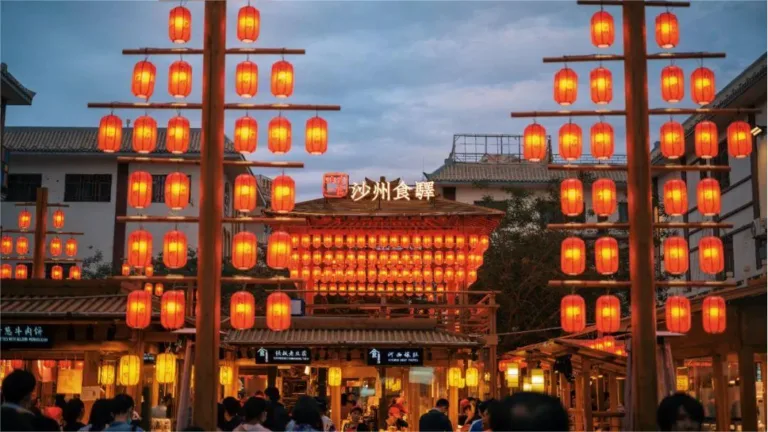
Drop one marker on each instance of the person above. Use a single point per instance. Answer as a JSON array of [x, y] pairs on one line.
[[277, 416], [328, 425], [255, 411], [680, 412], [17, 389], [355, 423], [122, 413], [465, 411], [482, 423], [73, 413], [259, 394], [60, 401], [306, 416], [529, 411], [101, 416], [395, 419], [436, 420], [231, 409]]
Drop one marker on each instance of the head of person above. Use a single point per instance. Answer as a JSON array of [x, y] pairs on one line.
[[101, 414], [356, 414], [306, 412], [272, 393], [231, 407], [529, 411], [122, 407], [483, 409], [74, 411], [680, 412], [442, 405], [322, 405], [18, 387], [259, 394], [255, 410]]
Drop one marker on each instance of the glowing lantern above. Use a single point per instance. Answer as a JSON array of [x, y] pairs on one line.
[[570, 141], [537, 380], [334, 376], [282, 79], [573, 313], [242, 309], [702, 86], [177, 135], [739, 139], [713, 314], [471, 376], [672, 84], [284, 194], [143, 79], [58, 219], [534, 142], [225, 374], [675, 255], [48, 363], [675, 197], [176, 190], [57, 272], [179, 25], [244, 249], [247, 79], [454, 377], [711, 258], [159, 289], [667, 30], [65, 364], [705, 139], [6, 271], [566, 86], [25, 219], [22, 245], [17, 364], [471, 277], [138, 311], [180, 79], [608, 313], [128, 370], [449, 241], [603, 32], [708, 196], [571, 197], [110, 133], [248, 24], [512, 374], [55, 246], [246, 134], [148, 287], [279, 135], [426, 241], [172, 309], [139, 248], [604, 197], [601, 83], [245, 193], [165, 368], [278, 249], [6, 244], [607, 255], [21, 271], [601, 141], [140, 189], [572, 256], [681, 379], [316, 136], [672, 140], [75, 273], [144, 135], [278, 311], [678, 314], [70, 247], [175, 249]]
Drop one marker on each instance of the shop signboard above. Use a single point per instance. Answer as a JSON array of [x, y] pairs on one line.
[[25, 336], [395, 356], [283, 356]]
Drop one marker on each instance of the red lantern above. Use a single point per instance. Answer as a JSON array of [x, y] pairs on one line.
[[604, 197], [175, 249], [282, 79], [55, 247], [248, 24], [739, 139], [139, 248], [678, 314], [607, 255], [75, 272], [177, 135], [601, 83], [17, 364], [713, 314], [572, 256], [675, 197], [110, 136], [672, 84], [283, 194], [125, 269], [246, 134], [667, 30], [608, 314], [180, 79], [279, 135], [25, 219], [65, 364], [601, 140], [534, 142], [172, 308], [245, 193], [138, 312], [6, 244], [6, 271], [573, 313], [58, 219], [706, 140], [247, 79], [49, 363], [570, 141], [149, 270], [144, 134], [70, 247], [316, 142], [242, 309], [711, 260], [22, 245], [603, 32], [179, 25], [675, 255], [672, 140], [566, 86], [176, 190], [703, 86], [278, 311], [708, 196], [143, 79], [244, 250], [278, 249], [21, 271], [140, 189], [571, 197]]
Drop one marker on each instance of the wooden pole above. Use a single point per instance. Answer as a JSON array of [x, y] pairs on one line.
[[722, 407], [586, 393], [91, 360], [41, 221], [493, 350], [211, 212], [747, 388]]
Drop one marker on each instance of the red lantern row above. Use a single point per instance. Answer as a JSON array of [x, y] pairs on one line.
[[673, 85], [570, 141], [603, 32], [374, 259], [427, 274], [708, 198], [177, 190], [380, 289], [437, 240], [247, 79], [573, 256], [180, 24], [6, 245], [603, 197], [678, 314], [138, 312], [144, 140], [279, 135], [179, 79], [573, 313], [711, 255]]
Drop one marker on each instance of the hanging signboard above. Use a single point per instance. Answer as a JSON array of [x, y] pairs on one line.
[[395, 190], [395, 357], [25, 336], [283, 356]]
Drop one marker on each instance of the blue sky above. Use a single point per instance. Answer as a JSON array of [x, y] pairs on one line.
[[408, 75]]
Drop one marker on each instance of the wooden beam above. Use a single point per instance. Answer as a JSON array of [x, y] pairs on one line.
[[586, 368], [747, 374], [722, 406], [199, 51]]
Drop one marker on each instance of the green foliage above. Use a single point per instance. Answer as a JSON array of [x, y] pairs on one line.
[[94, 267]]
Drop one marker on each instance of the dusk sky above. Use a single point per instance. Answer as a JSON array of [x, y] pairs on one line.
[[408, 75]]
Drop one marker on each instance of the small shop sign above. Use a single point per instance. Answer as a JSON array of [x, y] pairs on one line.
[[395, 356], [283, 356], [25, 336]]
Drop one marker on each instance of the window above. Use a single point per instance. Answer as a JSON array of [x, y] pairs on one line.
[[623, 212], [723, 177], [23, 187], [449, 193], [730, 262], [158, 188], [88, 187]]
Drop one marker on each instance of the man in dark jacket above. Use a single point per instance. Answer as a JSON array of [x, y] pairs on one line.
[[277, 416], [436, 420]]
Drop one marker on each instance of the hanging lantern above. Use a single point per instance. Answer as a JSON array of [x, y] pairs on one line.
[[708, 196], [21, 271], [17, 364], [572, 256], [675, 197], [279, 135], [672, 84], [537, 380], [601, 141], [675, 255], [143, 84], [226, 374], [176, 191], [172, 309], [711, 258], [705, 139], [278, 311], [244, 250], [246, 134], [601, 83], [703, 86], [144, 135], [175, 249], [604, 197], [6, 271], [284, 194], [471, 376], [454, 377], [667, 30], [177, 135], [278, 249], [682, 382], [179, 25], [25, 219], [573, 313], [248, 24], [242, 309], [48, 363], [672, 140], [603, 32], [75, 273], [159, 289], [334, 376], [245, 193], [282, 79], [128, 370], [140, 189], [566, 86], [22, 245], [138, 312], [316, 137], [570, 141], [247, 79], [165, 368], [180, 79], [58, 219], [739, 139], [571, 197], [512, 374], [110, 136], [55, 247], [608, 313], [607, 255], [57, 272], [448, 240], [70, 247], [6, 244], [148, 287], [678, 314], [713, 314], [534, 142], [139, 248], [106, 374]]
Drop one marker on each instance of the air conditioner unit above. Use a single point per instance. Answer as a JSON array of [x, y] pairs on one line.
[[758, 227]]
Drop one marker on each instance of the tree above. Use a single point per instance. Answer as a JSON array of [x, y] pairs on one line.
[[94, 267]]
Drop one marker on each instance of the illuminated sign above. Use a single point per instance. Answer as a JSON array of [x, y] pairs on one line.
[[335, 185], [283, 356], [385, 191], [25, 336], [395, 357]]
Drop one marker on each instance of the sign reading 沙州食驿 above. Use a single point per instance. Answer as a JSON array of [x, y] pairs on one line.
[[395, 356], [391, 191], [25, 336], [283, 356]]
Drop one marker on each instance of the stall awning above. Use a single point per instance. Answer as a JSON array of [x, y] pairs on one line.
[[94, 306], [352, 337]]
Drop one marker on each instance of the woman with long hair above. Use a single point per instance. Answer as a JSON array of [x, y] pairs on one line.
[[306, 416], [101, 416]]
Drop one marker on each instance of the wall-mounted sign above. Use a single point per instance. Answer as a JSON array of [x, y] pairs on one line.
[[395, 356], [335, 185], [149, 358], [391, 191], [283, 356], [25, 336]]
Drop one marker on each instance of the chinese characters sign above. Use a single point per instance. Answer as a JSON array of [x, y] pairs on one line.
[[25, 336], [335, 185], [283, 356], [395, 356], [391, 191]]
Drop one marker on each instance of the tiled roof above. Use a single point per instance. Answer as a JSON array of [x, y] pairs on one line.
[[18, 89], [518, 172], [413, 207], [33, 139], [92, 306], [381, 337]]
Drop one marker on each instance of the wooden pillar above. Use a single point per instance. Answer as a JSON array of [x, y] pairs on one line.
[[138, 350], [182, 411], [722, 407], [586, 367], [493, 349], [91, 362], [230, 388], [561, 393], [613, 400], [747, 388], [272, 376], [453, 405], [336, 406], [41, 225], [382, 398]]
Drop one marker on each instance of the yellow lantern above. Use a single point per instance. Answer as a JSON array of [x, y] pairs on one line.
[[454, 377], [681, 379], [537, 380], [472, 376], [128, 370], [165, 368], [107, 374], [334, 376], [225, 374], [513, 375], [527, 386]]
